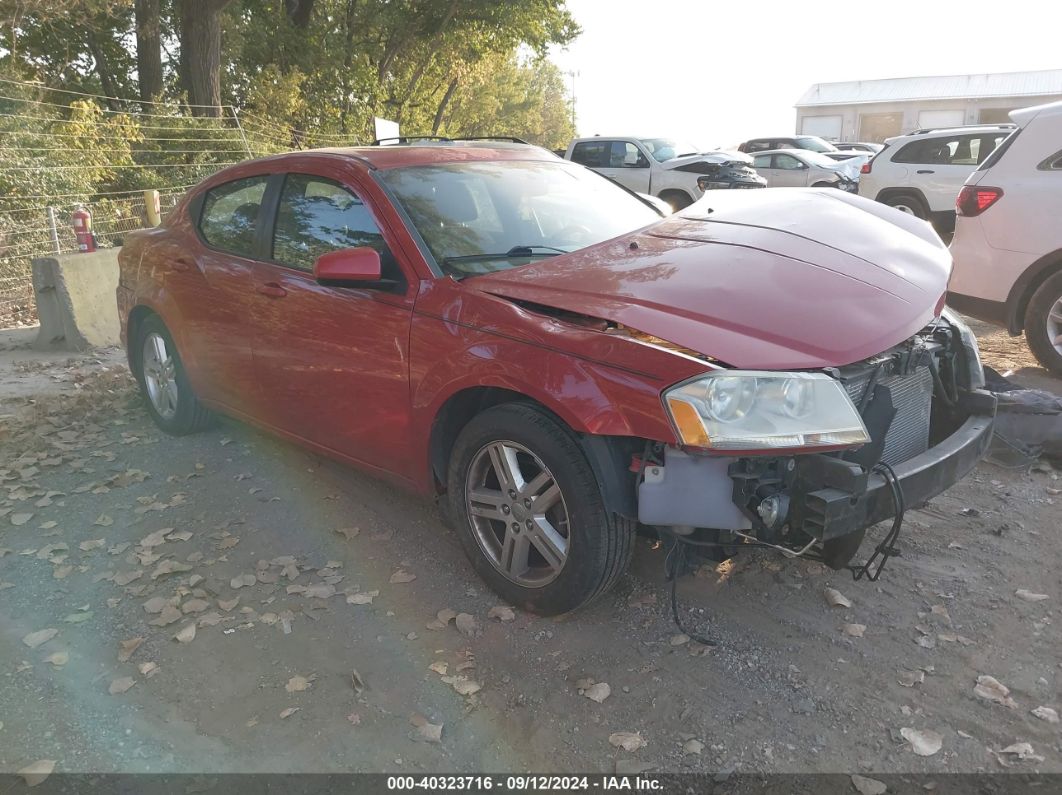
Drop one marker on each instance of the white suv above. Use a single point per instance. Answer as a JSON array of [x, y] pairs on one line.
[[921, 173], [1008, 240]]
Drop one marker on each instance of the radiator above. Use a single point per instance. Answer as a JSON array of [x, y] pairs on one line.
[[912, 396]]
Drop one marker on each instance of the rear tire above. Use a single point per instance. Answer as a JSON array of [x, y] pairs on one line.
[[908, 203], [1043, 324], [529, 513], [164, 383]]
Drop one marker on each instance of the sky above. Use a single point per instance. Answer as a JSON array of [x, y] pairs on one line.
[[717, 74]]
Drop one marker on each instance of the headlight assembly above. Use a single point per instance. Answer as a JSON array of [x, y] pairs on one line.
[[762, 410]]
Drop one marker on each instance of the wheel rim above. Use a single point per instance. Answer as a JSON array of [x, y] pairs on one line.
[[517, 513], [160, 376], [1054, 325], [905, 208]]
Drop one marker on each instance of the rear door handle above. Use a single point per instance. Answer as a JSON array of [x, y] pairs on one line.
[[272, 289], [925, 171]]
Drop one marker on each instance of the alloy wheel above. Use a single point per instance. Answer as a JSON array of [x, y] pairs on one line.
[[517, 513], [160, 375], [1054, 324]]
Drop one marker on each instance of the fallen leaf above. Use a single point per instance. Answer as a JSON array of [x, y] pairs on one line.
[[127, 577], [990, 688], [61, 658], [836, 599], [167, 616], [320, 590], [598, 692], [87, 546], [693, 747], [401, 576], [1022, 751], [103, 520], [299, 683], [940, 610], [40, 637], [348, 532], [169, 567], [242, 580], [950, 637], [462, 685], [289, 712], [61, 572], [19, 519], [923, 743], [180, 535], [155, 604], [364, 598], [432, 732], [37, 772], [467, 625], [1046, 713], [120, 685], [228, 604], [439, 667], [855, 630], [868, 786], [186, 634], [77, 618], [195, 606], [155, 539], [148, 669], [680, 640], [912, 678], [628, 741], [356, 680], [501, 613], [127, 647], [1029, 596]]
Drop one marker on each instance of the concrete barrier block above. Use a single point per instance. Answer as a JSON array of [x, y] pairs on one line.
[[76, 300]]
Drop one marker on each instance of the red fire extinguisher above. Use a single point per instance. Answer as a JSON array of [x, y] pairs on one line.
[[82, 220]]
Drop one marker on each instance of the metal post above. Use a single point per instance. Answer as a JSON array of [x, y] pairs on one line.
[[53, 229], [239, 127], [573, 74]]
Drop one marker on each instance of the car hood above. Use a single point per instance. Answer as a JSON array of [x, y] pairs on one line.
[[772, 279], [719, 157]]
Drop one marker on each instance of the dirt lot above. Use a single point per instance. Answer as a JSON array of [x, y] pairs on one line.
[[303, 597]]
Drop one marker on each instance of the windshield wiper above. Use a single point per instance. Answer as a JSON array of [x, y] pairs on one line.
[[515, 251]]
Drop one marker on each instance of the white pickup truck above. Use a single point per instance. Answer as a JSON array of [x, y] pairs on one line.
[[672, 170]]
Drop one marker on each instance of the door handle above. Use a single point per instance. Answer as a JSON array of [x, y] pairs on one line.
[[272, 290], [925, 171]]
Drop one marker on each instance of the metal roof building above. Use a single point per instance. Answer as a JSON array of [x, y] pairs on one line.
[[872, 110]]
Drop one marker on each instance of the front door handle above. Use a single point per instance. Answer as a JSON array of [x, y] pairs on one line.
[[925, 171], [272, 289]]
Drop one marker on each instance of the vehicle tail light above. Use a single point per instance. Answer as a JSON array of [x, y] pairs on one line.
[[975, 199], [865, 168]]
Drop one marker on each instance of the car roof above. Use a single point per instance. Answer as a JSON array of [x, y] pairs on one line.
[[418, 154], [971, 129], [1025, 115]]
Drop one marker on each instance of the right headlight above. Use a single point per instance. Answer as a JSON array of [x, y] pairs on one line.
[[763, 410]]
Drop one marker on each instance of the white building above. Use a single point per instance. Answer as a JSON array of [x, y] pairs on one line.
[[873, 110]]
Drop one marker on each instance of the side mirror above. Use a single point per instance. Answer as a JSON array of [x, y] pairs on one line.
[[348, 266]]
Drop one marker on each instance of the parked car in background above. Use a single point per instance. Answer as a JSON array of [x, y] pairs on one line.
[[1008, 235], [673, 170], [538, 349], [798, 168], [858, 146], [921, 173], [811, 143]]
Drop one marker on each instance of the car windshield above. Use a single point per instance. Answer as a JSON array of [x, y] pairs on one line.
[[664, 149], [815, 144], [487, 216]]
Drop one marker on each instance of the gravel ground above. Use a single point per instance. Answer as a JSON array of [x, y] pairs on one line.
[[304, 598]]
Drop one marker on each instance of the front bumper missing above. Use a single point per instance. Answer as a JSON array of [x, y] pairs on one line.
[[831, 497]]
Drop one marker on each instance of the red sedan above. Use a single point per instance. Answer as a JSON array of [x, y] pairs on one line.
[[562, 364]]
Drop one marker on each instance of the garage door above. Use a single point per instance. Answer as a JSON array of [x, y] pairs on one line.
[[828, 127], [941, 118]]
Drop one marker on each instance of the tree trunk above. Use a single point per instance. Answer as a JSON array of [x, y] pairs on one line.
[[200, 34], [299, 12], [103, 71], [148, 49], [450, 89]]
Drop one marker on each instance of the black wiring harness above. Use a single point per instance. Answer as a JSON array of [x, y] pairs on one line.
[[887, 548]]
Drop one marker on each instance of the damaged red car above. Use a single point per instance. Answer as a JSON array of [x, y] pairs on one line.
[[560, 364]]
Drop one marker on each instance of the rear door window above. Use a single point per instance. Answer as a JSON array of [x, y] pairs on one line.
[[229, 218], [592, 154]]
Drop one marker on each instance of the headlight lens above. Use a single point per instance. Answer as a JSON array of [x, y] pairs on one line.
[[762, 410]]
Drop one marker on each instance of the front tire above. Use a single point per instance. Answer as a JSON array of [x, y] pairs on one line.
[[529, 511], [1043, 324], [164, 383]]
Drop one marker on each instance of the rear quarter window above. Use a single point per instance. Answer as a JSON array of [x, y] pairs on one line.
[[996, 154], [1053, 163]]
